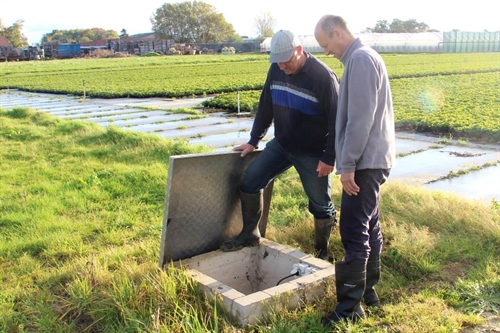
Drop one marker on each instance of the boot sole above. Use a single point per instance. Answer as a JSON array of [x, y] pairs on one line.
[[236, 247]]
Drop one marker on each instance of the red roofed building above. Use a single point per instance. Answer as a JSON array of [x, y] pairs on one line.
[[4, 42], [5, 48]]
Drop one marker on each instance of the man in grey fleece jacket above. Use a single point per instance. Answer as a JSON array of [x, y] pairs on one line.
[[365, 154]]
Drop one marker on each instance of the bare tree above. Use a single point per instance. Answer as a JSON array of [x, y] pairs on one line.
[[265, 24]]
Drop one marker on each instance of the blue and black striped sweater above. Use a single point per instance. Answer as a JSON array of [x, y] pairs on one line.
[[303, 108]]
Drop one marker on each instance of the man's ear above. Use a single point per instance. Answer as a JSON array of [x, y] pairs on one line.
[[337, 33]]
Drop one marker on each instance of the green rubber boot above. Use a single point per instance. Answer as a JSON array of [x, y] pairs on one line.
[[251, 210], [372, 277], [350, 281], [322, 231]]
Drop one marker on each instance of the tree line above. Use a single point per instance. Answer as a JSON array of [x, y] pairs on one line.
[[188, 22], [399, 26]]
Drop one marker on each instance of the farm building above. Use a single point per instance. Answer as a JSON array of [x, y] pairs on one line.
[[136, 44], [424, 42], [147, 42], [10, 53], [5, 48]]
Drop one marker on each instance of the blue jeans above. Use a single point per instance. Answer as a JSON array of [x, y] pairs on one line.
[[359, 224], [274, 160]]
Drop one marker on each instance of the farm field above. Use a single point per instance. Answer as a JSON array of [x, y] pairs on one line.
[[447, 94], [81, 209], [81, 204]]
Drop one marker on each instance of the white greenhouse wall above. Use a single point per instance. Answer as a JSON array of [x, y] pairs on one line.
[[424, 42]]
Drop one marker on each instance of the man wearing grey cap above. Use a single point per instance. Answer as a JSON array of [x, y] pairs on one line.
[[300, 97]]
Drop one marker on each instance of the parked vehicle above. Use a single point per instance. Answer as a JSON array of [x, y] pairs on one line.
[[62, 50]]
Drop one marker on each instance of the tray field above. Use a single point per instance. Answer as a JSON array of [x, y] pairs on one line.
[[456, 94], [463, 104]]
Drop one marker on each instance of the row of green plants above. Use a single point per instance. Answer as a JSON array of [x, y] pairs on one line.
[[193, 75], [81, 211], [463, 105], [180, 80], [147, 63], [398, 64]]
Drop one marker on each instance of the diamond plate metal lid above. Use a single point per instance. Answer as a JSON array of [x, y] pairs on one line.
[[202, 204]]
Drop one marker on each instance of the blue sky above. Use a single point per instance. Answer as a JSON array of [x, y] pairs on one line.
[[43, 16]]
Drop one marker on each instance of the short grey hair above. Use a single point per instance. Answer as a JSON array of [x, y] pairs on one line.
[[329, 22]]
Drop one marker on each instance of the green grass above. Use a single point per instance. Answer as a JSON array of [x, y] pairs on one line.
[[81, 209]]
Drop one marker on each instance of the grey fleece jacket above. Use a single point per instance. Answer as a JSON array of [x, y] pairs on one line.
[[365, 134]]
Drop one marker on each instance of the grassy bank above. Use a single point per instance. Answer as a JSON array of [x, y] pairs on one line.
[[81, 209]]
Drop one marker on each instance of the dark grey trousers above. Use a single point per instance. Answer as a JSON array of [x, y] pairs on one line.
[[359, 224]]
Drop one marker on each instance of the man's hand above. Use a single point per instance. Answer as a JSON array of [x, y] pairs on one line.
[[324, 169], [244, 148], [348, 183]]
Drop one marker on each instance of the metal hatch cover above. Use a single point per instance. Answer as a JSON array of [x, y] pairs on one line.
[[202, 203]]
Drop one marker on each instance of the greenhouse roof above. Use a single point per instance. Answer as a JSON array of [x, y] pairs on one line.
[[421, 38], [455, 41]]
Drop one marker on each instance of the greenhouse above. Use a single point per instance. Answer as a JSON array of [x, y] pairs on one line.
[[460, 42], [424, 42]]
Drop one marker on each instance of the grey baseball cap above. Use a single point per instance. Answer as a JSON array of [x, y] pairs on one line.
[[283, 43]]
